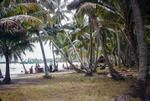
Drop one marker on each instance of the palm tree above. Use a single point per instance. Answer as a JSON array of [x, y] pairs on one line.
[[10, 43], [89, 9], [13, 36]]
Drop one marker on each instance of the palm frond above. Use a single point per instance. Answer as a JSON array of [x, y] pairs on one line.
[[21, 46], [105, 16], [26, 21], [11, 30], [9, 26], [43, 38]]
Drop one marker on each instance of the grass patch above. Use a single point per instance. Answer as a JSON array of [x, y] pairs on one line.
[[68, 87]]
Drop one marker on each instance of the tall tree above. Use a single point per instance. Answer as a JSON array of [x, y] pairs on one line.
[[43, 54], [139, 88]]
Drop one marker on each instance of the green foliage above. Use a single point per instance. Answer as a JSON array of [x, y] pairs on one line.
[[23, 8]]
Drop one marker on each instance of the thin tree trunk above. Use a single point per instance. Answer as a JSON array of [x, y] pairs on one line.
[[118, 48], [89, 73], [96, 55], [81, 53], [114, 54], [43, 54], [1, 75], [7, 79]]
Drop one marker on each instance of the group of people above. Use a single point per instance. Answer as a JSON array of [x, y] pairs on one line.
[[37, 68]]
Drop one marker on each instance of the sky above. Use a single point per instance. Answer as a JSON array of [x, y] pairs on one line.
[[37, 52]]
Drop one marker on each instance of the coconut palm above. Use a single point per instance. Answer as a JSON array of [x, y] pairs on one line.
[[12, 36], [31, 24]]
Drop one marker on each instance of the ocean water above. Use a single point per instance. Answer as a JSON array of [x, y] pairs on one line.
[[17, 68]]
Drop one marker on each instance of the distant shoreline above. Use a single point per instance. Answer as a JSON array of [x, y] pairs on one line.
[[34, 62]]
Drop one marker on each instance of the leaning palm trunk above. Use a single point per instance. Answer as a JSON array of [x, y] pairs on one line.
[[115, 75], [74, 48], [139, 88], [67, 59], [25, 70], [43, 54]]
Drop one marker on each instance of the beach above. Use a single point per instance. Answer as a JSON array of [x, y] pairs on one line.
[[17, 68]]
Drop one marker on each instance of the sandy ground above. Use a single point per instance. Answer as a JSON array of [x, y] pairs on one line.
[[27, 79]]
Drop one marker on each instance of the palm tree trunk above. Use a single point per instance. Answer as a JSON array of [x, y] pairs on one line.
[[43, 54], [142, 49], [7, 79], [54, 61], [89, 73], [139, 88]]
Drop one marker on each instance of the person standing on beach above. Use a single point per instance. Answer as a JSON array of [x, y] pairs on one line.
[[31, 70], [50, 68], [1, 76]]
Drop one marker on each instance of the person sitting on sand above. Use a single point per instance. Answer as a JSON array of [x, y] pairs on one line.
[[1, 76]]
